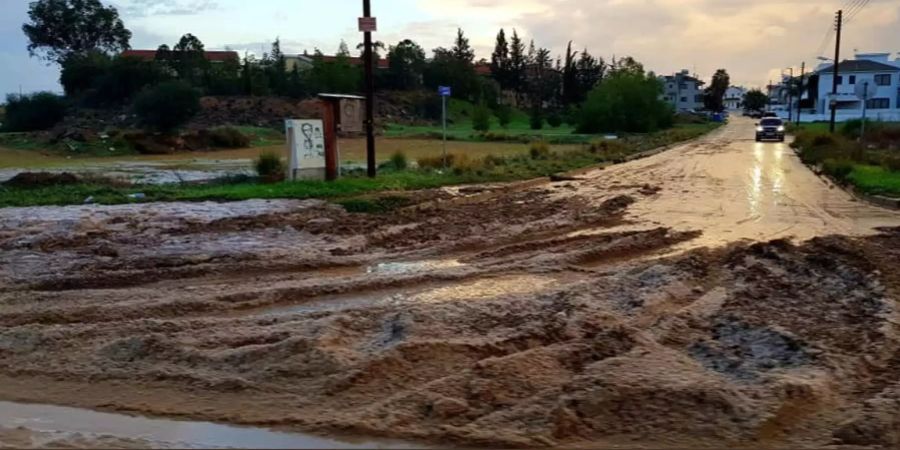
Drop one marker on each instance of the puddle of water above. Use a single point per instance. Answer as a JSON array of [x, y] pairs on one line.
[[414, 266], [59, 419]]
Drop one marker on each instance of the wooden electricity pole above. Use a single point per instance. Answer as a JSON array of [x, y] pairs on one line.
[[837, 62], [800, 89], [370, 94]]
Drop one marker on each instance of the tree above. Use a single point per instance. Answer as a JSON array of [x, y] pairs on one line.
[[589, 72], [626, 65], [79, 72], [625, 102], [462, 51], [276, 68], [571, 91], [714, 95], [755, 100], [38, 111], [406, 65], [500, 60], [333, 76], [445, 69], [60, 29], [167, 106], [517, 64], [189, 58]]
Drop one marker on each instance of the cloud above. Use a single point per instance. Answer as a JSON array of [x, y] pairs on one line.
[[148, 8], [748, 39]]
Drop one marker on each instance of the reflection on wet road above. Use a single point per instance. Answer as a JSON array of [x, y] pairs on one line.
[[733, 188]]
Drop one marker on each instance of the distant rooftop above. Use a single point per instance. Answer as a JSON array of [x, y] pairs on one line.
[[860, 65], [150, 55]]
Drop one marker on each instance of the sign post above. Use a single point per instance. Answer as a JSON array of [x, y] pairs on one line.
[[444, 92], [864, 92]]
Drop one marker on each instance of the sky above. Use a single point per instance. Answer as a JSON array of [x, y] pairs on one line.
[[753, 40]]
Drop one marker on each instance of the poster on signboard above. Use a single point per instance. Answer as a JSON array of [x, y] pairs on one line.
[[306, 146], [351, 115]]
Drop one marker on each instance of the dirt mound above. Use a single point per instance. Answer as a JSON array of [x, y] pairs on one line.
[[41, 179], [268, 112]]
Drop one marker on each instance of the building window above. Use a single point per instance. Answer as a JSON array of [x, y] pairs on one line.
[[682, 86], [879, 103], [698, 99], [683, 99], [840, 79], [883, 80], [671, 86], [852, 79]]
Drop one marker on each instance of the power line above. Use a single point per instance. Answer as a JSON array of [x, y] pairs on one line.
[[856, 12]]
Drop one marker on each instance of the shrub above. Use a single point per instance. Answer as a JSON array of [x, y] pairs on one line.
[[554, 120], [398, 161], [167, 106], [491, 161], [463, 164], [79, 73], [481, 118], [536, 119], [269, 167], [838, 169], [892, 163], [610, 150], [504, 115], [435, 162], [539, 150], [228, 137], [38, 111]]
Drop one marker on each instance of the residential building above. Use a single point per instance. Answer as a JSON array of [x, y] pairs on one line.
[[305, 61], [734, 97], [683, 91], [877, 69], [211, 56]]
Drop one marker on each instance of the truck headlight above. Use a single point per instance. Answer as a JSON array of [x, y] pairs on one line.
[[759, 129], [781, 129]]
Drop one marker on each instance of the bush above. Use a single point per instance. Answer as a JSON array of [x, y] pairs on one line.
[[504, 115], [398, 161], [435, 162], [79, 73], [554, 120], [228, 137], [269, 167], [481, 118], [38, 111], [463, 164], [539, 150], [610, 150], [536, 120], [892, 163], [838, 169], [167, 106]]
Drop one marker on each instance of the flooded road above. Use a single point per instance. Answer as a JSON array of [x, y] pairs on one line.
[[733, 188], [717, 293], [55, 426]]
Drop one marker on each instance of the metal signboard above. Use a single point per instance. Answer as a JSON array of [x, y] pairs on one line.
[[444, 91], [351, 119], [306, 147], [368, 25]]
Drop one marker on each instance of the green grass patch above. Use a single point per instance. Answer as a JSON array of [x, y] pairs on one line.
[[875, 180], [262, 137]]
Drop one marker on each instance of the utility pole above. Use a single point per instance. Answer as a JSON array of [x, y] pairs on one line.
[[370, 93], [791, 97], [837, 62], [800, 91]]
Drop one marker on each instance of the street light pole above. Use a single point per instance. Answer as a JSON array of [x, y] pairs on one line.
[[837, 62], [370, 94], [800, 90], [791, 96]]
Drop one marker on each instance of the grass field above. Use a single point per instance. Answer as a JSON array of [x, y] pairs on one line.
[[875, 180]]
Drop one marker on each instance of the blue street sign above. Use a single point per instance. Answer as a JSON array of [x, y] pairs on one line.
[[444, 91]]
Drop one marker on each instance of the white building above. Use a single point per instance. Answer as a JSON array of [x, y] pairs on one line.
[[874, 68], [683, 91], [734, 97]]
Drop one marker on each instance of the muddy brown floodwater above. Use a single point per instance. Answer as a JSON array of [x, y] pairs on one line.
[[715, 294]]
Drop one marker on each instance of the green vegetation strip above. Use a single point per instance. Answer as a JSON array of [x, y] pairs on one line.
[[351, 190]]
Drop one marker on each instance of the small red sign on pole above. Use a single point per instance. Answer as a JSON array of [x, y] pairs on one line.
[[368, 25]]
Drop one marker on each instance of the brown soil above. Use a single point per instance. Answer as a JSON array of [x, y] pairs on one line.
[[543, 315]]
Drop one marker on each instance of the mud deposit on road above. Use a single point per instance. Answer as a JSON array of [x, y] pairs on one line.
[[538, 315]]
